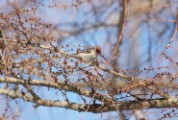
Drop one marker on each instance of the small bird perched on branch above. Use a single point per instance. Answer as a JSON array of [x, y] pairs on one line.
[[89, 55]]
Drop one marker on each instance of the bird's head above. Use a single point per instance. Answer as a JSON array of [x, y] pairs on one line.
[[98, 50]]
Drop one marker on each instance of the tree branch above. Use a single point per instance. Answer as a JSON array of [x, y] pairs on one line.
[[121, 25], [61, 86], [96, 108]]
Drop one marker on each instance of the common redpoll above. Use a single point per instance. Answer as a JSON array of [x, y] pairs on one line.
[[89, 55]]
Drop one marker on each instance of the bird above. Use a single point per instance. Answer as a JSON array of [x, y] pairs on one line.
[[89, 55]]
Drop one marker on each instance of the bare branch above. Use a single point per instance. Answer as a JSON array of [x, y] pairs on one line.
[[128, 105], [60, 86]]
